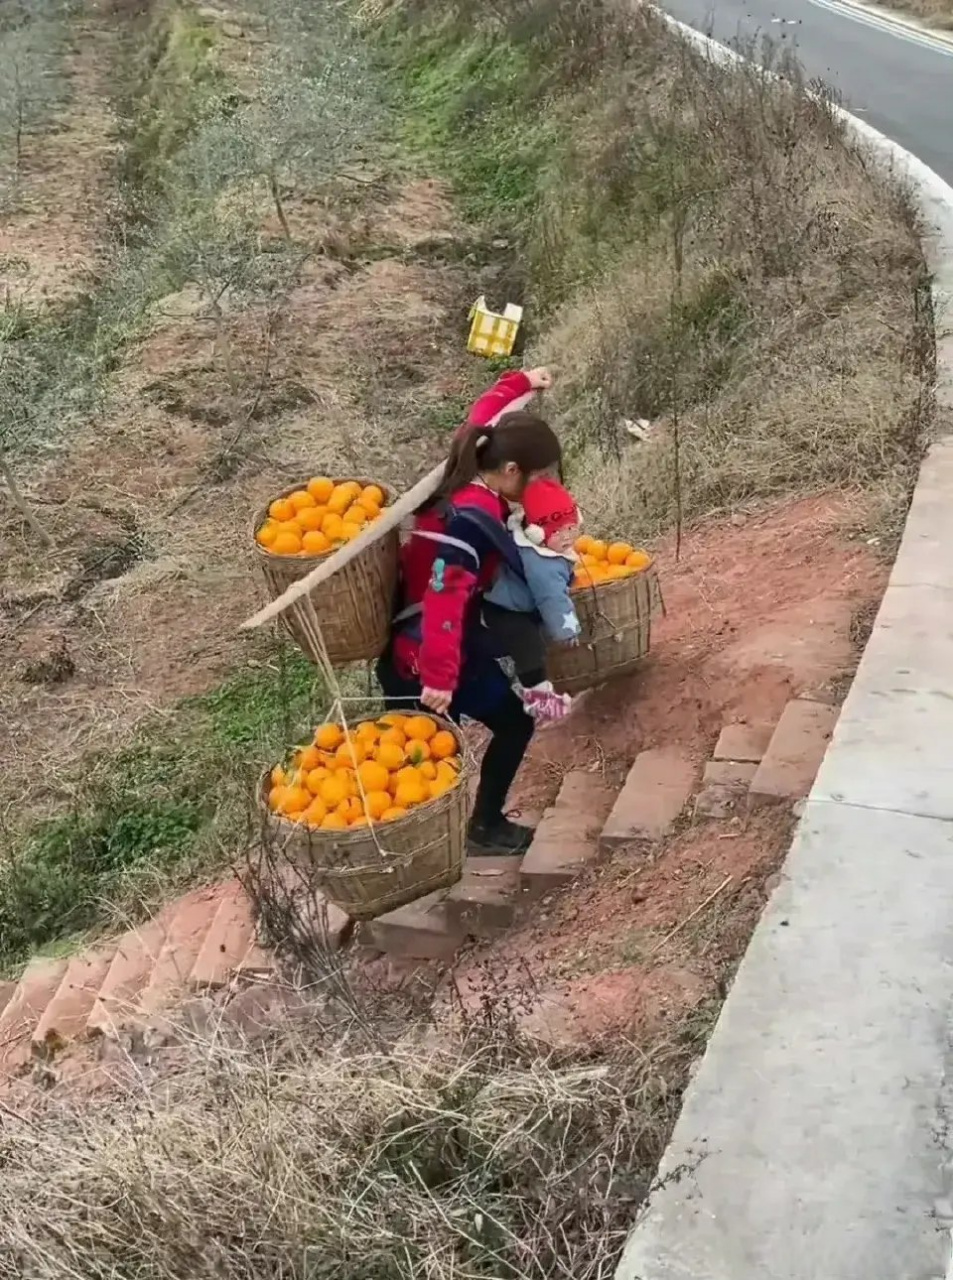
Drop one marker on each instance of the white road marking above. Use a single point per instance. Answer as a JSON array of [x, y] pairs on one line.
[[899, 30]]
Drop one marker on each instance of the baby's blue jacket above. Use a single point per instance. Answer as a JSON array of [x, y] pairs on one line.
[[546, 590]]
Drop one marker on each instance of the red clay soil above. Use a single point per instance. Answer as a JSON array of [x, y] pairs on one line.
[[758, 612]]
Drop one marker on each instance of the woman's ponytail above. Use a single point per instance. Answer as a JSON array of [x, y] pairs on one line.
[[518, 437], [463, 463]]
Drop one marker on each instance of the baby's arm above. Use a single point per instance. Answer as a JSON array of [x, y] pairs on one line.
[[549, 579]]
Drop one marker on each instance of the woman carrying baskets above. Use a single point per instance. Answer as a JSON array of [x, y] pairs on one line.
[[440, 653]]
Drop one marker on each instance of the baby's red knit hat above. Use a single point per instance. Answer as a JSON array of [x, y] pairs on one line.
[[549, 506]]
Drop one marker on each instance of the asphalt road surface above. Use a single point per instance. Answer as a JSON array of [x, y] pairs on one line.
[[901, 83]]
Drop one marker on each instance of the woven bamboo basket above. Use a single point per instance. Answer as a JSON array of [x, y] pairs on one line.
[[411, 857], [616, 620], [353, 607]]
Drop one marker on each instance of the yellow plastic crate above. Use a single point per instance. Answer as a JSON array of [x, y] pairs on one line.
[[492, 334]]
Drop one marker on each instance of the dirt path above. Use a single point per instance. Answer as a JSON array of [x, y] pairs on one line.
[[52, 242]]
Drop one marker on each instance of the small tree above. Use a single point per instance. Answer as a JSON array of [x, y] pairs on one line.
[[307, 122]]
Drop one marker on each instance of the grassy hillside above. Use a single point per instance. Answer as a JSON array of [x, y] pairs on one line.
[[703, 248]]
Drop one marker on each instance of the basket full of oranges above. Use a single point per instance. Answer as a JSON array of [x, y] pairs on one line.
[[307, 522], [377, 809], [616, 594]]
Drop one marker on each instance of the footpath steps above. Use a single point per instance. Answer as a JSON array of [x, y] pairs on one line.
[[567, 838], [208, 938], [751, 765]]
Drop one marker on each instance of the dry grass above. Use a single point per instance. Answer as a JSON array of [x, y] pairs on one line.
[[708, 250], [936, 13], [316, 1156]]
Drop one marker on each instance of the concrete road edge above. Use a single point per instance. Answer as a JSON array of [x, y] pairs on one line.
[[814, 1141]]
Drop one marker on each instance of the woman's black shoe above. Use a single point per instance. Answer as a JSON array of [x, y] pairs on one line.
[[500, 837]]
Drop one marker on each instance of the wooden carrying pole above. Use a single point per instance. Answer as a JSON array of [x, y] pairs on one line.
[[389, 519]]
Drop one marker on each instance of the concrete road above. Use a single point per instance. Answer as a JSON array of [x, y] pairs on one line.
[[895, 79]]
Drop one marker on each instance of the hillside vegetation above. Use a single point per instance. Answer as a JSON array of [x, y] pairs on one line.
[[702, 248], [287, 214]]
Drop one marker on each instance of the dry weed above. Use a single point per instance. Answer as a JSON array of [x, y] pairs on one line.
[[317, 1156]]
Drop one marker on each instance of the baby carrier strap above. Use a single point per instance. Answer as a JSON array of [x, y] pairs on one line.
[[494, 532]]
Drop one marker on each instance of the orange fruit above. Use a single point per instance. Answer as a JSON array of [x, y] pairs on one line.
[[278, 776], [281, 509], [371, 496], [276, 797], [439, 787], [377, 803], [315, 778], [615, 571], [638, 560], [598, 549], [410, 793], [350, 753], [452, 763], [390, 755], [334, 822], [393, 813], [355, 515], [442, 744], [267, 533], [618, 552], [583, 544], [393, 735], [427, 770], [420, 728], [320, 488], [296, 800], [349, 530], [373, 776], [310, 519], [331, 526], [301, 499], [328, 737], [418, 752], [393, 719], [367, 732], [315, 543], [316, 812], [308, 758], [286, 544], [339, 500], [350, 809], [589, 560], [333, 790]]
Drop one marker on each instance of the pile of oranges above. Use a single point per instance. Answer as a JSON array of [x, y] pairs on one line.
[[320, 517], [376, 773], [606, 561]]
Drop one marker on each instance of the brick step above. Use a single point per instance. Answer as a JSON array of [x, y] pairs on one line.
[[183, 942], [485, 901], [36, 988], [67, 1015], [229, 937], [567, 838], [657, 789], [789, 766], [421, 930], [7, 991], [129, 973]]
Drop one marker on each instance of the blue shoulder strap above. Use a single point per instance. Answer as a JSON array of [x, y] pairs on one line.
[[495, 533]]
